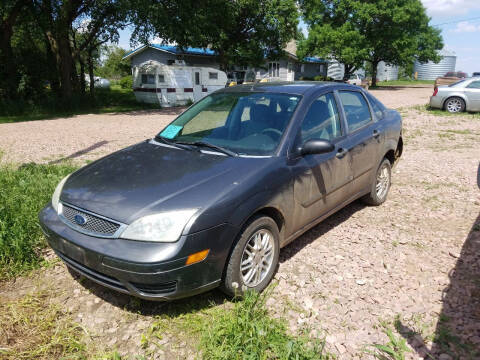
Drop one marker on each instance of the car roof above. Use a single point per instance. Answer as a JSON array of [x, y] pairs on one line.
[[287, 87]]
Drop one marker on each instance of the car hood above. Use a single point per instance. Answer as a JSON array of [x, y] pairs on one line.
[[148, 178]]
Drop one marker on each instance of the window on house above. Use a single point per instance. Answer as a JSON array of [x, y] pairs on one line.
[[213, 75], [161, 78], [148, 79], [290, 67], [302, 68], [274, 69], [170, 62]]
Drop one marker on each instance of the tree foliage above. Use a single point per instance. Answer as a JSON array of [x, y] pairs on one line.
[[354, 31], [114, 66], [55, 43], [242, 31]]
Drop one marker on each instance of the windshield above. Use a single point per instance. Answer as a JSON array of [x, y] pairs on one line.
[[243, 123]]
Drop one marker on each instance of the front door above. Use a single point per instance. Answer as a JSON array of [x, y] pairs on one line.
[[290, 72], [197, 85], [472, 91], [364, 138], [322, 181]]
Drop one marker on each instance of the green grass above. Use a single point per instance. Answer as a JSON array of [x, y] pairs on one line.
[[405, 82], [427, 109], [23, 193], [395, 349], [33, 328], [242, 330], [106, 101]]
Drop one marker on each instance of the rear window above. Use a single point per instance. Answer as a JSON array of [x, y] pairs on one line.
[[456, 83], [356, 109]]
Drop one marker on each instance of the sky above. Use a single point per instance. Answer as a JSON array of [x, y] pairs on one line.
[[459, 21]]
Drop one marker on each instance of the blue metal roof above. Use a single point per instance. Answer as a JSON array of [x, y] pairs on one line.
[[188, 50], [310, 59], [174, 50]]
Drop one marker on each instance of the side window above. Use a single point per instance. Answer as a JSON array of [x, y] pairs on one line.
[[322, 120], [148, 79], [474, 85], [161, 78], [357, 112], [377, 106]]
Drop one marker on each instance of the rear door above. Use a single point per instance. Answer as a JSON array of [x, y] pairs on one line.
[[322, 181], [472, 91], [365, 138]]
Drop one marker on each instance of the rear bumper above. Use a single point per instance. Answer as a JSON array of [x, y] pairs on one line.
[[436, 102], [153, 271]]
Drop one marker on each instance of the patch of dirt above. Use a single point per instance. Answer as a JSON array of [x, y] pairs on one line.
[[416, 257]]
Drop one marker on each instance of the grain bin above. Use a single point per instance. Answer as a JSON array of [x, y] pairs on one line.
[[430, 70], [335, 70], [386, 72]]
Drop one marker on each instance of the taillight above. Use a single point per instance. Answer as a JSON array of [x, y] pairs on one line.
[[435, 91]]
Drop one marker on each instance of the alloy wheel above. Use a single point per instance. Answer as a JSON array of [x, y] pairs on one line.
[[383, 182], [454, 105], [257, 258]]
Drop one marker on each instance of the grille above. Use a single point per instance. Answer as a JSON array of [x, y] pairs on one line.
[[93, 224]]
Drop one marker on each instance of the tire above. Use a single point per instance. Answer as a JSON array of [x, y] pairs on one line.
[[454, 105], [384, 174], [235, 281]]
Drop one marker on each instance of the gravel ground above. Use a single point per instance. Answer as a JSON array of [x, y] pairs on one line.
[[87, 137], [415, 259]]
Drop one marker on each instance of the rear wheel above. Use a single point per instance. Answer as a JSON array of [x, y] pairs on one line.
[[455, 105], [254, 258], [381, 185]]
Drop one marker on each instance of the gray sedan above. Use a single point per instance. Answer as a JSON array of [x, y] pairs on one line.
[[463, 95]]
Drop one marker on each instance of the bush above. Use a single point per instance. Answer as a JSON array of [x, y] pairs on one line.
[[126, 82], [248, 332], [23, 193]]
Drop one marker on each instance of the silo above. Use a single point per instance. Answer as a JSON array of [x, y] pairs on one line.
[[430, 70], [386, 72], [335, 70]]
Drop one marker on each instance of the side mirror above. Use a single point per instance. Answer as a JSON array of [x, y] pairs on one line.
[[317, 146]]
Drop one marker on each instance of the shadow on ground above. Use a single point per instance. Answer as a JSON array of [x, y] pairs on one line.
[[80, 152], [214, 297], [457, 334]]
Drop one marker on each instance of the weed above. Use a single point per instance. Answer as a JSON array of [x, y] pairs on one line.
[[23, 192], [115, 99], [394, 349], [242, 330], [35, 329]]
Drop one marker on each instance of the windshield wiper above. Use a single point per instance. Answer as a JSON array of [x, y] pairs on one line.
[[172, 143], [210, 146]]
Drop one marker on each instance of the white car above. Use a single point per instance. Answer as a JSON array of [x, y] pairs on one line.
[[356, 79], [464, 95]]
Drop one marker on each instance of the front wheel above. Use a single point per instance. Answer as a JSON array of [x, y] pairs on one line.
[[381, 185], [254, 258]]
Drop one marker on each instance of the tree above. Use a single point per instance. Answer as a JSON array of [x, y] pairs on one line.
[[243, 32], [10, 11], [114, 66], [394, 31]]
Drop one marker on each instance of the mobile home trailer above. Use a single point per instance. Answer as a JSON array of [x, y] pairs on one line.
[[176, 84]]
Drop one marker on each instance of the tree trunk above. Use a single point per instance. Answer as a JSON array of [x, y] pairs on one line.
[[66, 65], [82, 75], [9, 76], [90, 74]]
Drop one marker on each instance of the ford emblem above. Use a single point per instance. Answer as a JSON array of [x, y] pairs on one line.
[[80, 220]]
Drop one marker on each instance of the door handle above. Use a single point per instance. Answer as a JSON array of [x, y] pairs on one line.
[[376, 134], [341, 153]]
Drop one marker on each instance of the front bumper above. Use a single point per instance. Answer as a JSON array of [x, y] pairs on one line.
[[153, 271], [436, 102]]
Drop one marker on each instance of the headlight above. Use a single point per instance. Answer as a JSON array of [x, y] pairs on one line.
[[162, 227], [58, 191]]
